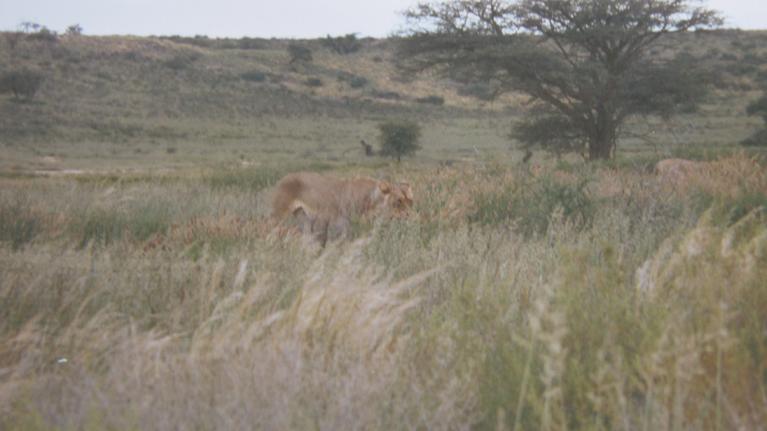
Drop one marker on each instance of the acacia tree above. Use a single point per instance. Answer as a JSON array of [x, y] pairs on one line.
[[584, 63], [23, 83]]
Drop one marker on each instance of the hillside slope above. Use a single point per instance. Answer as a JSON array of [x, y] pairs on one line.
[[127, 95]]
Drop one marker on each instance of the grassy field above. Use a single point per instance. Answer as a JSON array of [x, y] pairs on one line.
[[143, 285]]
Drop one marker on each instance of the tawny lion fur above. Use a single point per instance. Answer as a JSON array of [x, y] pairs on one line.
[[326, 203]]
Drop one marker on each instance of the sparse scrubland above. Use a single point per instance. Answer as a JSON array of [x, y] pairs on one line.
[[152, 291]]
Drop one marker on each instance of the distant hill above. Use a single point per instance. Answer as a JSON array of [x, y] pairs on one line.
[[107, 88]]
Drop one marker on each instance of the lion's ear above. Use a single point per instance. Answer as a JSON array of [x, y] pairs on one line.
[[405, 187], [384, 187]]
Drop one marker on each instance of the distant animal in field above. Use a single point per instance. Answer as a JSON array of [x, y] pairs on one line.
[[325, 205], [527, 157], [369, 151]]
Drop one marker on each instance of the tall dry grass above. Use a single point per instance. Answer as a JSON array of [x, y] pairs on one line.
[[182, 307]]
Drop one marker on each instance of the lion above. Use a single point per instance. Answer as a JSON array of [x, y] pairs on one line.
[[326, 205]]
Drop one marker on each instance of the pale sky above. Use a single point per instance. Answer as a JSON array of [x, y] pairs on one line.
[[260, 18]]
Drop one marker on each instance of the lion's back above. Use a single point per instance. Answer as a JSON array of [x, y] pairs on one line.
[[307, 189]]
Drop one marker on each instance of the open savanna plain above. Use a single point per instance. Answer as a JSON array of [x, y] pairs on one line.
[[143, 285]]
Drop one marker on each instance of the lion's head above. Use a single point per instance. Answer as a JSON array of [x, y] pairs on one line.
[[395, 198]]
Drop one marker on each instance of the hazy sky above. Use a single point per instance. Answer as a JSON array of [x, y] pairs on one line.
[[261, 18]]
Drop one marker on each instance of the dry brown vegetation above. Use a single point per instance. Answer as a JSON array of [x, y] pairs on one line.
[[559, 296]]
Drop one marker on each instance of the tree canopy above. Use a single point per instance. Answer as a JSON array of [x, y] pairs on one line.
[[584, 63], [399, 138]]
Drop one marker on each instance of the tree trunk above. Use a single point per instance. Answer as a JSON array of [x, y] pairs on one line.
[[603, 138], [601, 148]]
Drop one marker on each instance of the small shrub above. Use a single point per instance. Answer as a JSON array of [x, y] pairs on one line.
[[354, 81], [74, 30], [431, 100], [254, 76], [388, 95], [181, 61], [342, 45], [44, 35], [358, 82], [299, 53], [314, 82], [250, 43], [22, 83], [479, 90], [399, 138]]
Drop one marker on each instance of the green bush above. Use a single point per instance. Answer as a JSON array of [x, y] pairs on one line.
[[74, 30], [479, 90], [399, 138], [44, 35], [23, 83], [250, 43], [342, 44], [299, 53], [181, 61], [431, 100], [388, 95], [354, 81], [314, 82], [358, 82], [254, 76]]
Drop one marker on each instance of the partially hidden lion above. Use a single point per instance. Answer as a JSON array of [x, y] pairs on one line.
[[325, 205]]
